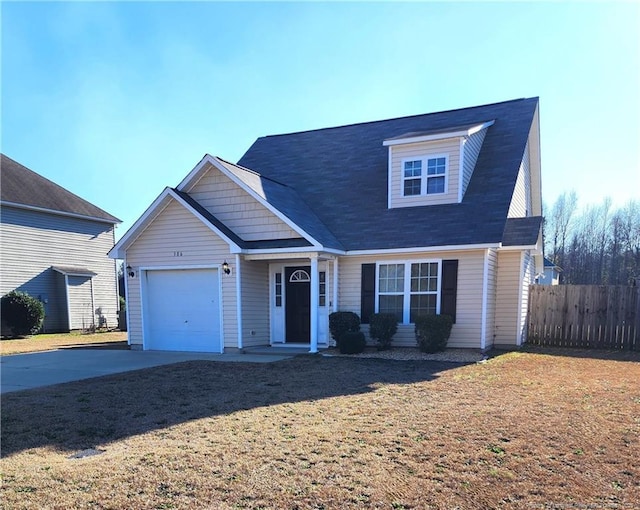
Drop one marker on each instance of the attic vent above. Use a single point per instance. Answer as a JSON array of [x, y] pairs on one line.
[[299, 275]]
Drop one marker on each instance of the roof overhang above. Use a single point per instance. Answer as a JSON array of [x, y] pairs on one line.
[[74, 271], [58, 213], [430, 136]]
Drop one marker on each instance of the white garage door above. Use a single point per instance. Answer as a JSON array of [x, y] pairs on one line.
[[182, 310]]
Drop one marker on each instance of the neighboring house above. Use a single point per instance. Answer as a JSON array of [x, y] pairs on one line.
[[434, 213], [550, 275], [53, 245]]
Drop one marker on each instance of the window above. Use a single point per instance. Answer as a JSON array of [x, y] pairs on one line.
[[409, 288], [412, 177], [322, 288], [416, 183], [278, 289]]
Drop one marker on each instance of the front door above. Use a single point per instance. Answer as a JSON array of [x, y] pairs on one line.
[[298, 304]]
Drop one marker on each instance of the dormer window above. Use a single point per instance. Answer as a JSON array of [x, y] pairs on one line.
[[418, 182]]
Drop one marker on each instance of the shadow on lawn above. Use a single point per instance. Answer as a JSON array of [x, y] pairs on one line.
[[576, 352], [84, 414]]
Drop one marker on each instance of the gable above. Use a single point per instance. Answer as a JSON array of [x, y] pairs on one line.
[[521, 200], [237, 209]]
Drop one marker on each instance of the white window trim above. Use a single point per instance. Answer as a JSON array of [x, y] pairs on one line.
[[406, 304], [424, 177]]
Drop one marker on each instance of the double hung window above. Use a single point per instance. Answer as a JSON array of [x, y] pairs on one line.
[[424, 176], [408, 289]]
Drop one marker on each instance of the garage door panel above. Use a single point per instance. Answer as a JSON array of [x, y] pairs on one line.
[[183, 310]]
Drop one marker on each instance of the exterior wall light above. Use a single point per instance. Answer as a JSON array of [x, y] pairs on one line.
[[226, 268], [131, 272]]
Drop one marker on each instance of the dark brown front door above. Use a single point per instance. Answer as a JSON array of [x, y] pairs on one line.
[[298, 304]]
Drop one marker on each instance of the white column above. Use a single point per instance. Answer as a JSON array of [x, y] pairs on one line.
[[238, 300], [335, 284], [314, 304]]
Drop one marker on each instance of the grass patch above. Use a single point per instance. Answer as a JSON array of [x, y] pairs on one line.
[[49, 342], [316, 432]]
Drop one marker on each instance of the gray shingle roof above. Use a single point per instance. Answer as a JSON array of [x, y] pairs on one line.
[[521, 231], [341, 176], [22, 186]]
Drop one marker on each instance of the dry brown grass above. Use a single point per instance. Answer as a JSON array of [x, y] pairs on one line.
[[524, 430], [46, 342]]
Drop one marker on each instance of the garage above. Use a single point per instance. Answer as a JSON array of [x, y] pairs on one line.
[[182, 310]]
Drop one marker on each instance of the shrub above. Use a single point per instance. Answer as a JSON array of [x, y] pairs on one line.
[[432, 332], [352, 342], [341, 323], [22, 314], [123, 303], [382, 327]]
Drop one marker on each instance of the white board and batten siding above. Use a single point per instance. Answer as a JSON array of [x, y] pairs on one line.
[[177, 239], [467, 330], [238, 210], [31, 242], [449, 147]]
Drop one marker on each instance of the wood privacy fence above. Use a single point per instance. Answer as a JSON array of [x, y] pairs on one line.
[[586, 316]]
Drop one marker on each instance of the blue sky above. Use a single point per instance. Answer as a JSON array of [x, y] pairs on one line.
[[116, 100]]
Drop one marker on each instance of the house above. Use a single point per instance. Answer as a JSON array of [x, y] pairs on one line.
[[434, 213], [550, 274], [53, 246]]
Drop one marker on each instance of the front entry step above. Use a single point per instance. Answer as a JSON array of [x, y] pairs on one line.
[[280, 349]]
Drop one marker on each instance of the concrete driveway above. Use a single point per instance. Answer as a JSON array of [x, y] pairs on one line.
[[26, 371]]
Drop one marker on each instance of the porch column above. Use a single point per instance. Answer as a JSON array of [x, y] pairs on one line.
[[335, 284], [314, 305], [238, 303]]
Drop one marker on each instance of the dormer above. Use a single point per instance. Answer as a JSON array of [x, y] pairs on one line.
[[433, 167]]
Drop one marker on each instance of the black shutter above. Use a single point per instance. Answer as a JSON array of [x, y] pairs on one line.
[[368, 292], [449, 288]]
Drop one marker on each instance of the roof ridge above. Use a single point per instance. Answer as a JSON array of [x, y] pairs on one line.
[[398, 118]]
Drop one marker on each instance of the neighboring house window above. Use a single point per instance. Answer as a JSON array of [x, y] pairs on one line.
[[278, 289], [322, 288], [433, 182], [408, 289]]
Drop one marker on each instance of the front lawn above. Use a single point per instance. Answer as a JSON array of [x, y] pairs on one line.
[[48, 342], [523, 430]]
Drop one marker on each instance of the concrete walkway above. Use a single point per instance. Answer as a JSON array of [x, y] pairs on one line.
[[26, 371]]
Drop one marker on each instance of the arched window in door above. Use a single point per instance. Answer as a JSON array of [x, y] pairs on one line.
[[299, 276]]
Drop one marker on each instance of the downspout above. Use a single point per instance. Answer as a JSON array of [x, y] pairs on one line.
[[238, 302]]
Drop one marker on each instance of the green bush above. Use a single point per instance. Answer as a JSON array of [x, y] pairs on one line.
[[352, 342], [341, 323], [22, 314], [432, 332], [123, 303], [382, 327]]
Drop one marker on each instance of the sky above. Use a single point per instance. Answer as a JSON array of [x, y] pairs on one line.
[[117, 100]]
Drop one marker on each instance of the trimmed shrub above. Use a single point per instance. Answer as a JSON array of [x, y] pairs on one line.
[[22, 314], [352, 342], [432, 332], [382, 327], [341, 323]]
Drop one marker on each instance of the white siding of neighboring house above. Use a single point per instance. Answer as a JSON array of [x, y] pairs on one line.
[[238, 210], [449, 147], [31, 242], [521, 199], [466, 331], [508, 314], [255, 303], [176, 230], [472, 147]]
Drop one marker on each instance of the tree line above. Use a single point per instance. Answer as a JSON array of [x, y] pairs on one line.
[[594, 245]]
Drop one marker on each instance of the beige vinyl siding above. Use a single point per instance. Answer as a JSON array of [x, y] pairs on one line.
[[492, 273], [238, 210], [528, 276], [508, 299], [466, 331], [521, 199], [255, 303], [398, 153], [177, 231], [33, 241], [472, 146]]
